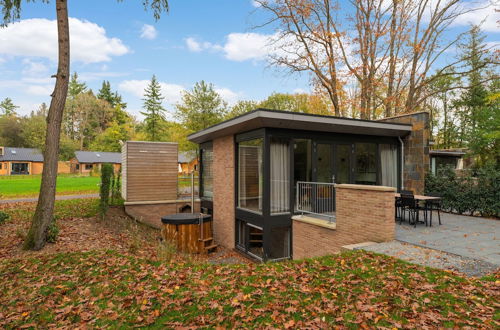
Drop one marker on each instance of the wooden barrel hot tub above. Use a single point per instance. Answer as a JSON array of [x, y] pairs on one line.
[[190, 233]]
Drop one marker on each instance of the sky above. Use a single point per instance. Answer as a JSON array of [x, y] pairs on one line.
[[120, 42]]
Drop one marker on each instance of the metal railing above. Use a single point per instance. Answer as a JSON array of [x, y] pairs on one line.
[[316, 198]]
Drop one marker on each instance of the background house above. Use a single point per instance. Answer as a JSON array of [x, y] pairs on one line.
[[188, 162], [87, 161], [20, 161], [446, 157]]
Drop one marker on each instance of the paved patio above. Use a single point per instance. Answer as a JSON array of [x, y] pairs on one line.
[[471, 237]]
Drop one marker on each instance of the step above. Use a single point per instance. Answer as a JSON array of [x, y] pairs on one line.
[[357, 246], [207, 239], [255, 241], [210, 247]]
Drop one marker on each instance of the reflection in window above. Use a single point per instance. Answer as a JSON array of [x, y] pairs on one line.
[[280, 176], [324, 164], [302, 160], [343, 163], [250, 175], [388, 165], [280, 243], [207, 159], [366, 163]]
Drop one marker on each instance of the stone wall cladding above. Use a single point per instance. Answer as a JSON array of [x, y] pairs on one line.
[[416, 149], [151, 214], [363, 213], [224, 195]]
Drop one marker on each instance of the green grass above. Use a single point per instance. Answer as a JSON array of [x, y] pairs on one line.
[[29, 185], [355, 289]]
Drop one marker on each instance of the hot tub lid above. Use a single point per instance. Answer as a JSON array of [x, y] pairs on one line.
[[185, 218]]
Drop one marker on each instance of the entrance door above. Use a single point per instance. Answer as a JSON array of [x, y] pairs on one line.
[[343, 163]]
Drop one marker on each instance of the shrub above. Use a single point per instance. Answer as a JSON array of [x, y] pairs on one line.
[[116, 186], [465, 193], [3, 217], [106, 175]]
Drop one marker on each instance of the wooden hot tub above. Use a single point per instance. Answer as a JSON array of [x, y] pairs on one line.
[[190, 232]]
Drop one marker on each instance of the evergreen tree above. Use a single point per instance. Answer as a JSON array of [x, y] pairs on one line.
[[75, 86], [201, 107], [8, 108], [154, 111], [113, 98]]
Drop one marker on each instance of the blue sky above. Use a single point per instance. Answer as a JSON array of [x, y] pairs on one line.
[[120, 42]]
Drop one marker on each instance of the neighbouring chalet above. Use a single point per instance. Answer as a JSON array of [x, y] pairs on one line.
[[188, 162], [85, 162], [20, 161], [453, 158]]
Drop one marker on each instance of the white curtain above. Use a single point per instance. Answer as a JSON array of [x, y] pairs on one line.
[[389, 165], [280, 176]]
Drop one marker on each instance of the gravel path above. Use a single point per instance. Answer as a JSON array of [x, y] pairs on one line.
[[433, 258]]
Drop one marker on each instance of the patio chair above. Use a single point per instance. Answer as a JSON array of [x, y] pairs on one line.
[[410, 204], [434, 204]]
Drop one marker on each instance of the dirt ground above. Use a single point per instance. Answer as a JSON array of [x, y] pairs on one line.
[[117, 232]]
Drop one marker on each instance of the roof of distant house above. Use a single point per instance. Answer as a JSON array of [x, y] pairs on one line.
[[186, 157], [21, 154], [447, 152], [98, 157], [260, 118]]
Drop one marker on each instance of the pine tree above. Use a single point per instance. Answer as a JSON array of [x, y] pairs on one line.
[[75, 86], [106, 94], [153, 109], [7, 107]]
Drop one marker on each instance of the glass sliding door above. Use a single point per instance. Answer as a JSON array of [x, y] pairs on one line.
[[250, 176], [366, 163], [343, 163], [280, 175], [324, 162], [388, 165], [302, 160]]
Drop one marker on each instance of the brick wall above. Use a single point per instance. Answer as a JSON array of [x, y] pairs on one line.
[[151, 213], [223, 194], [416, 149], [363, 213]]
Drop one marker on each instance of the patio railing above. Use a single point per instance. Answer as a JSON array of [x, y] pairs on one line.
[[316, 198]]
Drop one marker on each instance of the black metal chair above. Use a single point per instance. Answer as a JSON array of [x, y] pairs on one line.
[[433, 204], [410, 204]]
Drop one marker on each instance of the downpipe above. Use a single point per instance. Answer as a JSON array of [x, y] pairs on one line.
[[402, 162]]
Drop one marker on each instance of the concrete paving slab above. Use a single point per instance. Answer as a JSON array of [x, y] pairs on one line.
[[471, 237]]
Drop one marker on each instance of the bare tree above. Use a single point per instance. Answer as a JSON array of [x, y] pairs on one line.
[[389, 47], [11, 10]]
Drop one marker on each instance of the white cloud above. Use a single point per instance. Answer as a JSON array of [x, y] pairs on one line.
[[38, 37], [33, 68], [255, 3], [41, 90], [488, 15], [247, 46], [148, 32], [228, 95], [193, 45]]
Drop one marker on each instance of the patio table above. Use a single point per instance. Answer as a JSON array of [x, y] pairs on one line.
[[426, 200]]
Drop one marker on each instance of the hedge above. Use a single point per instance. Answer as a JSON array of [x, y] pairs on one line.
[[467, 193]]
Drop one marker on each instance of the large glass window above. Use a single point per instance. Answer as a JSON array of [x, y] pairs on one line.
[[389, 165], [343, 163], [366, 163], [324, 163], [250, 176], [207, 160], [280, 243], [302, 166], [280, 176]]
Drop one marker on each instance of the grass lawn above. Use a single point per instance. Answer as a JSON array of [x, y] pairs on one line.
[[68, 285], [29, 185]]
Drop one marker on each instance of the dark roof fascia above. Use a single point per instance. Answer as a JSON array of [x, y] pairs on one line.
[[260, 116]]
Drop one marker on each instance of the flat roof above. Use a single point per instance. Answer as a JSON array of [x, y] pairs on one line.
[[444, 152], [260, 118]]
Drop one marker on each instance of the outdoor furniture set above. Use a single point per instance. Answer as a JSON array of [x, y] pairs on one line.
[[408, 203]]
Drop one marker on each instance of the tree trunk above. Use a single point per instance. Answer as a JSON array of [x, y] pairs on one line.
[[43, 216]]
